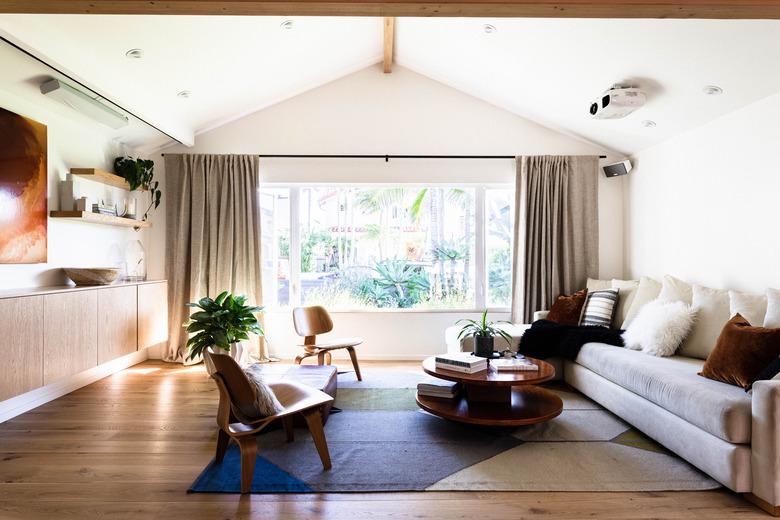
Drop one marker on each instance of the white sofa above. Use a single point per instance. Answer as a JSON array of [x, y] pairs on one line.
[[730, 435]]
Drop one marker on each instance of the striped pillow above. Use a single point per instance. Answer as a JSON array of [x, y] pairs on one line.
[[600, 307]]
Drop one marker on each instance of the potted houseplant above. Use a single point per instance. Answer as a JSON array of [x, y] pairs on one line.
[[139, 174], [483, 332], [222, 323]]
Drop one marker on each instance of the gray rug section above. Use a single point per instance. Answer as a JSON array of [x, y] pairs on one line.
[[385, 451]]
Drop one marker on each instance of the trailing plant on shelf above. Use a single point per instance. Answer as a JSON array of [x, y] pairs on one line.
[[483, 332], [139, 174], [222, 323]]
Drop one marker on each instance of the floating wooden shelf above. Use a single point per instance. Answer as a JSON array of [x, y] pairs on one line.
[[97, 218], [101, 176]]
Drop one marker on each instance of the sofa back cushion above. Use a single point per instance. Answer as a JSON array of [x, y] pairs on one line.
[[772, 318], [626, 296], [712, 313], [675, 290], [647, 291], [752, 307]]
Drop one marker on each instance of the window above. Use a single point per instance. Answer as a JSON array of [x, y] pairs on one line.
[[387, 247]]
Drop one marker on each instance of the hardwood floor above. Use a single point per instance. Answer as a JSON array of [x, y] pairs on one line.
[[128, 446]]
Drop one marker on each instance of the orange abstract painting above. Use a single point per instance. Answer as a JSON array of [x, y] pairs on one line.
[[23, 183]]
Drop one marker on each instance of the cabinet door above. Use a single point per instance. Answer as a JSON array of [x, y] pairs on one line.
[[69, 334], [21, 345], [152, 315], [117, 322]]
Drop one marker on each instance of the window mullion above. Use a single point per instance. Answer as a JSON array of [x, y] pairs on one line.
[[295, 248], [480, 274]]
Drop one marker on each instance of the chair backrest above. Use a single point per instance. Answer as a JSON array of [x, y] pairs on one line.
[[240, 393], [310, 321]]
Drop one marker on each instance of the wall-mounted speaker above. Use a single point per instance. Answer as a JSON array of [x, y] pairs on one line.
[[617, 169]]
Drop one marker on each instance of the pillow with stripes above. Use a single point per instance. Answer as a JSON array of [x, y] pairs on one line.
[[600, 308]]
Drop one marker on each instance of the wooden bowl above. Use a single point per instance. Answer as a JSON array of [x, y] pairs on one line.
[[92, 275]]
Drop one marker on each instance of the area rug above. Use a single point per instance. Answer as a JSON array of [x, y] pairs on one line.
[[382, 441]]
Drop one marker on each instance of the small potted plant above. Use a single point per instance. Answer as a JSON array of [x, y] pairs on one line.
[[139, 174], [483, 332], [222, 323]]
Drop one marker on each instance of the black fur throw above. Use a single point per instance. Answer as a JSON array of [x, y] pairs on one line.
[[549, 339]]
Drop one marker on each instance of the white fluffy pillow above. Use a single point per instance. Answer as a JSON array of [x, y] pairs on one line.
[[660, 327]]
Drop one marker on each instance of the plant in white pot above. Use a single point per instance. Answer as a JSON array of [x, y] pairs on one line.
[[222, 323]]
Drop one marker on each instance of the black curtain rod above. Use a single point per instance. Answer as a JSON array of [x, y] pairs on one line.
[[386, 157]]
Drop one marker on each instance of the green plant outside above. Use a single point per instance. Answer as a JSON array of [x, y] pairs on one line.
[[221, 322]]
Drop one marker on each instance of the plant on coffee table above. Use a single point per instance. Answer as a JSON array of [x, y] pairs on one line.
[[483, 332]]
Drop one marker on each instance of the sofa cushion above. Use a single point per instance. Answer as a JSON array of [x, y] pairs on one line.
[[647, 291], [712, 313], [672, 383], [675, 290], [626, 296]]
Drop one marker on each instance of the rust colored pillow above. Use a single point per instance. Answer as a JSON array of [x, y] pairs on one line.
[[741, 352], [567, 309]]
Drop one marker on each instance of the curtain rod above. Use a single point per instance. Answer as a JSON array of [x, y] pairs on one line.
[[386, 157]]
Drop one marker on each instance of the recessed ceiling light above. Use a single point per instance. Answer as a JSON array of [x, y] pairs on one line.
[[647, 123], [489, 29], [712, 90], [135, 54], [287, 25], [184, 94]]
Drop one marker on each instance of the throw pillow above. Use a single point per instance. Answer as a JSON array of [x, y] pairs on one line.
[[675, 290], [567, 309], [742, 352], [772, 319], [771, 371], [598, 285], [266, 402], [752, 307], [647, 291], [712, 312], [600, 308], [660, 327], [627, 294]]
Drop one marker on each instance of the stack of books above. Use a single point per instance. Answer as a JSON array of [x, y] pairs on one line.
[[438, 388], [104, 209], [513, 364], [464, 362]]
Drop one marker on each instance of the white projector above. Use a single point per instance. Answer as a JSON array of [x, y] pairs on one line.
[[617, 102]]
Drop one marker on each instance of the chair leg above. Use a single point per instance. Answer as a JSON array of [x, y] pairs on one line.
[[287, 422], [298, 359], [353, 356], [314, 421], [248, 447], [223, 439], [324, 357]]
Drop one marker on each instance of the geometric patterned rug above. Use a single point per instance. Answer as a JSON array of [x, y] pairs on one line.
[[382, 441]]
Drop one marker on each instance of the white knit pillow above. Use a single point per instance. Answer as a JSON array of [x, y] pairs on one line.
[[266, 402], [660, 327]]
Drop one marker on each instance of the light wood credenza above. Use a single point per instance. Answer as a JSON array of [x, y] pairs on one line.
[[60, 338]]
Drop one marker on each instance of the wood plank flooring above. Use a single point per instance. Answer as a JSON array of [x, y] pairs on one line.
[[128, 446]]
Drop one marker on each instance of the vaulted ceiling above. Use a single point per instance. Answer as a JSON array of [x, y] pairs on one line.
[[545, 70]]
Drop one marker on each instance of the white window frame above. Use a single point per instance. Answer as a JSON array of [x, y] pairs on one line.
[[480, 232]]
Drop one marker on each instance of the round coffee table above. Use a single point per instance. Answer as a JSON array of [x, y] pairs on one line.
[[495, 398]]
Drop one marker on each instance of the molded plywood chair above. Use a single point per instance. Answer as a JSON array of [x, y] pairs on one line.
[[311, 321], [236, 409]]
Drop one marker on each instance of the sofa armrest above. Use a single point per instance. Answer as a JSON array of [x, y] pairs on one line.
[[765, 441], [540, 315]]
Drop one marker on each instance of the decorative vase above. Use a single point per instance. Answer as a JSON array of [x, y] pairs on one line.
[[135, 261], [483, 346]]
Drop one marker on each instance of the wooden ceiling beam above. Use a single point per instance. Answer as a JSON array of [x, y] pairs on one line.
[[720, 9], [389, 44]]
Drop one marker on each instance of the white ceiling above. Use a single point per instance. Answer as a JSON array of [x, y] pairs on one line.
[[543, 69]]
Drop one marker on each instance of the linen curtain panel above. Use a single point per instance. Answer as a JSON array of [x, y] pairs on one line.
[[213, 236], [556, 242]]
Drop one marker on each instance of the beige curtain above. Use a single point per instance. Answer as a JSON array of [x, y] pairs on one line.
[[556, 243], [213, 235]]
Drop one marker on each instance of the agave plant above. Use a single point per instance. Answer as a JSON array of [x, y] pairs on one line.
[[482, 329], [221, 322], [401, 277]]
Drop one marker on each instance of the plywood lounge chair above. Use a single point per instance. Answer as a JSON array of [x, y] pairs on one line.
[[312, 321], [236, 409]]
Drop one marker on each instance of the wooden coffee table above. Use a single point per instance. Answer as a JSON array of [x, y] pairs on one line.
[[495, 398]]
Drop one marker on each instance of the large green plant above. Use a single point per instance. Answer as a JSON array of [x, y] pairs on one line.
[[139, 174], [483, 329], [220, 322], [406, 281]]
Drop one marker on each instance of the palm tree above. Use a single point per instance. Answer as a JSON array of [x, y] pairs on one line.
[[380, 201]]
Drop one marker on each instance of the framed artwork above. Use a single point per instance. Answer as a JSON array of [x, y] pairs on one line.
[[23, 187]]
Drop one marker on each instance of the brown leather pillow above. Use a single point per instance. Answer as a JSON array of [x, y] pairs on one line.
[[741, 352], [567, 309]]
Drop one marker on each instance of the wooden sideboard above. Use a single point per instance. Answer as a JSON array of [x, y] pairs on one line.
[[49, 334]]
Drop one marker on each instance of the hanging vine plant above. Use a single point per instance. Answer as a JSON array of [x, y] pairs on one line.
[[139, 174]]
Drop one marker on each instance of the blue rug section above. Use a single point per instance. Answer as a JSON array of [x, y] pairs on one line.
[[226, 477]]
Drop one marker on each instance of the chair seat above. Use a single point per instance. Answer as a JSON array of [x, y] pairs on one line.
[[336, 343]]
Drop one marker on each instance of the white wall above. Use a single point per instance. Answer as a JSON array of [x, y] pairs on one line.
[[704, 205], [71, 143], [400, 113]]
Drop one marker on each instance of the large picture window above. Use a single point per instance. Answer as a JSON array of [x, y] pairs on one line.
[[387, 247]]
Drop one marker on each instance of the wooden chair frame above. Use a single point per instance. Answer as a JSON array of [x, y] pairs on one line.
[[312, 321]]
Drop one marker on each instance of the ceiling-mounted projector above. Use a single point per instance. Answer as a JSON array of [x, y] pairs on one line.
[[617, 102]]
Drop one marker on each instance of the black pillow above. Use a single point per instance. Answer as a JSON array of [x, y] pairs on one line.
[[769, 372]]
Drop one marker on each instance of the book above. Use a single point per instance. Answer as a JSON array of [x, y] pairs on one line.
[[461, 359], [462, 370], [513, 365], [438, 388]]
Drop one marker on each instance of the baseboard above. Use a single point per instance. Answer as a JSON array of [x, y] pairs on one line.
[[10, 408], [763, 504]]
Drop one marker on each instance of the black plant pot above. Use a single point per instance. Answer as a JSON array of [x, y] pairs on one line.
[[483, 346]]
